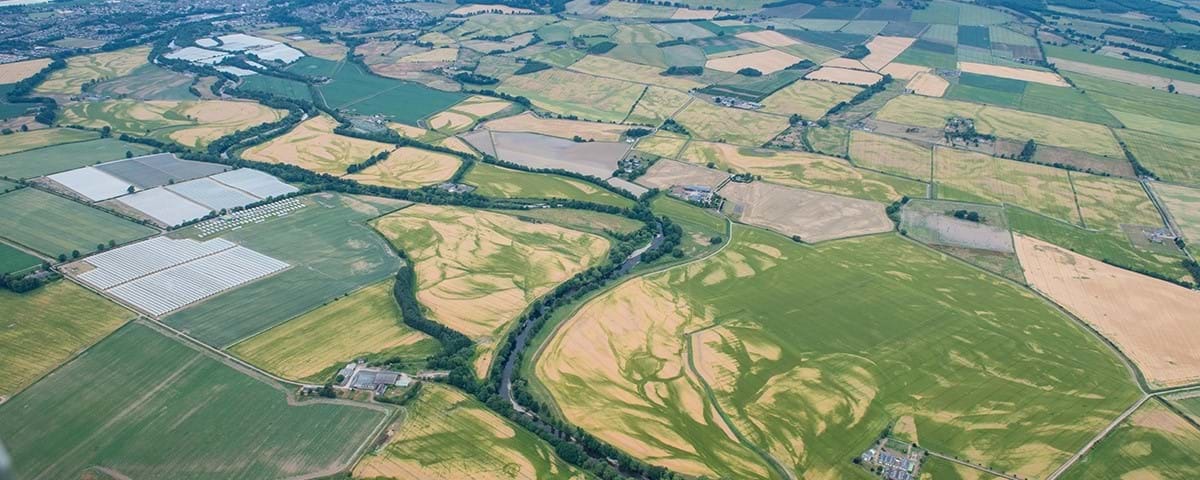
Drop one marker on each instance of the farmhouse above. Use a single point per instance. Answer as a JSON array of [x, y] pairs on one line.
[[357, 376]]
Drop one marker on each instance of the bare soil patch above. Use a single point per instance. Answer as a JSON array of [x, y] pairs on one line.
[[1036, 76], [813, 216], [767, 61], [1050, 154], [690, 14], [844, 75], [1153, 322]]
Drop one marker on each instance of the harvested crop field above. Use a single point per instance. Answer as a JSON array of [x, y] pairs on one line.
[[844, 76], [805, 170], [311, 346], [477, 270], [657, 104], [464, 115], [312, 145], [928, 84], [666, 173], [903, 71], [1126, 76], [528, 122], [448, 434], [766, 61], [572, 93], [970, 176], [891, 154], [884, 50], [661, 143], [808, 99], [933, 112], [675, 367], [1155, 328], [931, 221], [1183, 204], [190, 123], [769, 38], [1154, 443], [125, 403], [17, 71], [598, 159], [1107, 203], [733, 125], [810, 216], [1023, 74], [85, 68], [45, 327], [409, 167], [606, 67]]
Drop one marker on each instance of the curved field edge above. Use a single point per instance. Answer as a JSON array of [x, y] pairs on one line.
[[815, 409]]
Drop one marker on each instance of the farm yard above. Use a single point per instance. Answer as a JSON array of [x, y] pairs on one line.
[[461, 256], [120, 403]]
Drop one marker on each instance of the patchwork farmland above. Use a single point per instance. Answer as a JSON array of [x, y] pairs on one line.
[[714, 239]]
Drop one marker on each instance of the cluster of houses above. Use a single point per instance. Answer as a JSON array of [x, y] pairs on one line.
[[891, 463]]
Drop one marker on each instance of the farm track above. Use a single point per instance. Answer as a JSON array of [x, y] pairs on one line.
[[972, 465]]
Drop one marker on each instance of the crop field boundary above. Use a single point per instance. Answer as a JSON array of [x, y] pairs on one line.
[[775, 464], [1075, 195]]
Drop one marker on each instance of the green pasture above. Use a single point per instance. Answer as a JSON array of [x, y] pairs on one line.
[[493, 181], [1063, 102], [699, 225], [1171, 158], [1077, 55], [1154, 442], [832, 140], [1013, 383], [355, 89], [63, 157], [54, 225], [1122, 97], [47, 326], [331, 250], [276, 86], [148, 406], [14, 260]]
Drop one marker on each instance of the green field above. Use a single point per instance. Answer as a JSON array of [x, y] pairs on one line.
[[365, 324], [1154, 442], [58, 158], [276, 86], [1077, 55], [353, 88], [1122, 97], [147, 406], [447, 434], [502, 182], [22, 141], [583, 220], [45, 327], [830, 378], [54, 225], [1183, 203], [331, 250], [148, 82], [13, 260], [831, 140], [1171, 158], [699, 226]]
